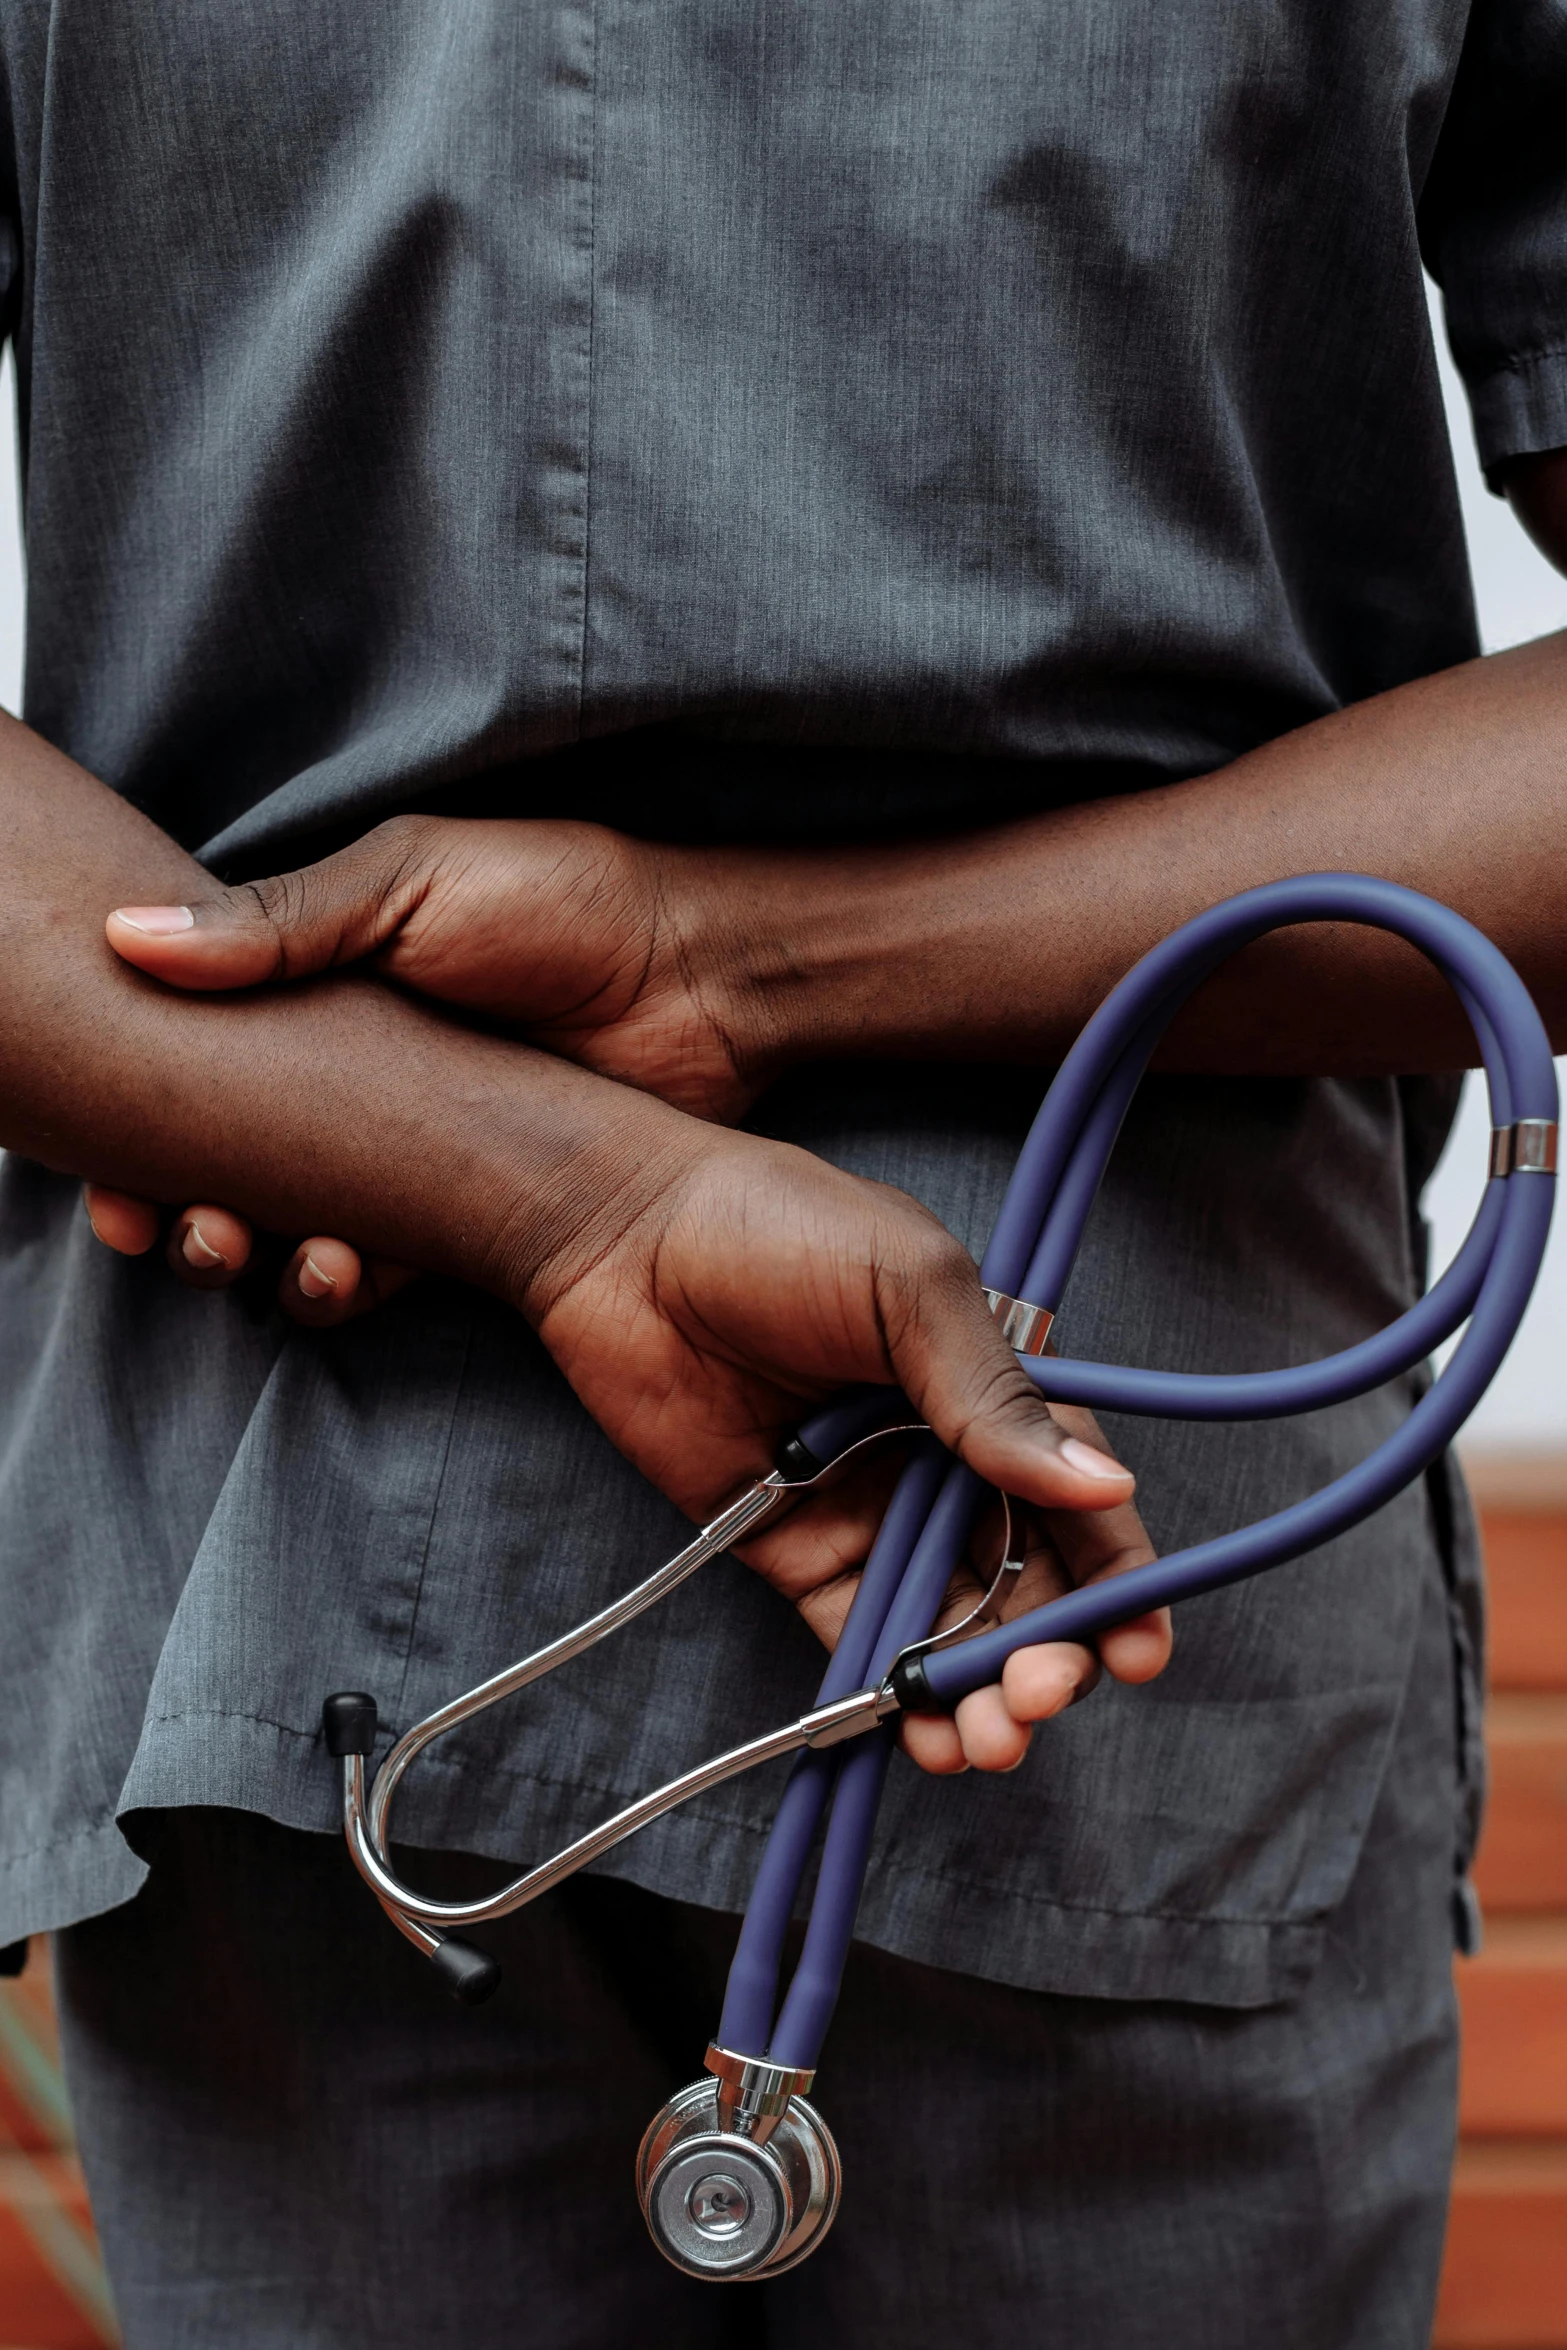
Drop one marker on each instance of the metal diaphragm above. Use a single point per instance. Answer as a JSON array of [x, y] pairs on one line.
[[720, 2205]]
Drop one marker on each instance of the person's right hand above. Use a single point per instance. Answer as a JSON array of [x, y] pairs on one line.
[[322, 1281], [623, 955], [613, 952]]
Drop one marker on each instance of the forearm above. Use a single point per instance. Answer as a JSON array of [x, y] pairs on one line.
[[337, 1105], [1001, 943]]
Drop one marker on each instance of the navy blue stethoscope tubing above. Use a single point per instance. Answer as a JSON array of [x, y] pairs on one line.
[[1199, 1395], [1228, 1396], [1024, 1235], [931, 1478], [1209, 1566], [1035, 1240]]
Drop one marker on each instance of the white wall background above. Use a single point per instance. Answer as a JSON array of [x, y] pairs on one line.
[[1520, 596], [10, 545]]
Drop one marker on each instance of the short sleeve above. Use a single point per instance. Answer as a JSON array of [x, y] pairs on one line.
[[1493, 225]]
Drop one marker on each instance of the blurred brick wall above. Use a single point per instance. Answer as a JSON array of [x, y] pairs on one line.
[[1505, 2286]]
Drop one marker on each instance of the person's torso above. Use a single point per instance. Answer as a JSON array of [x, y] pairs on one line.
[[968, 406]]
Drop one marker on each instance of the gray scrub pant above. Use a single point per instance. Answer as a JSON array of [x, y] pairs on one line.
[[294, 2142]]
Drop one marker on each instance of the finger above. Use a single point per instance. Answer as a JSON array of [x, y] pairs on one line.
[[991, 1728], [992, 1737], [1140, 1650], [932, 1741], [321, 1282], [382, 1279], [954, 1365], [1095, 1545], [208, 1247], [1038, 1683], [995, 1723], [289, 925], [127, 1225], [813, 1556], [326, 1282]]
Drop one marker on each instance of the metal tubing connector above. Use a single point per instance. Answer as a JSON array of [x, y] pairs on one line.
[[753, 2095], [1527, 1147], [1024, 1327]]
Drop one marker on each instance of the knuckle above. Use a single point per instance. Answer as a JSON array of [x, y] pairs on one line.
[[1001, 1399], [947, 1263], [274, 906], [395, 866], [401, 847], [927, 1271], [1004, 1418], [275, 901], [403, 835]]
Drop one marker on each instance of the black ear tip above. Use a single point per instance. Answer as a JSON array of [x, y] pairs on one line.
[[470, 1975], [13, 1958], [911, 1689], [348, 1722], [796, 1463]]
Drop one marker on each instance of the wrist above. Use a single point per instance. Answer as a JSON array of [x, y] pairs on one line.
[[825, 954], [546, 1212], [802, 952]]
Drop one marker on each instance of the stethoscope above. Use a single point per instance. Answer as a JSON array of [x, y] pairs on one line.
[[738, 2175]]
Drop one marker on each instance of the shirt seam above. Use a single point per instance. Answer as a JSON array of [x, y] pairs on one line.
[[750, 1828], [15, 1860], [587, 422], [1516, 362], [435, 1509], [234, 1713]]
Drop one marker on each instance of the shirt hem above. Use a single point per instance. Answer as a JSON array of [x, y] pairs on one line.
[[62, 1883], [1020, 1939]]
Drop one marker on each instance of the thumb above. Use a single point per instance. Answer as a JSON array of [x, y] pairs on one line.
[[956, 1368], [286, 927]]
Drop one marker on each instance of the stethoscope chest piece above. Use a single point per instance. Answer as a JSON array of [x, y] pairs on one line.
[[738, 2176]]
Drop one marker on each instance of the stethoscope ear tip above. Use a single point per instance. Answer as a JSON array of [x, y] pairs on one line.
[[470, 1975], [349, 1723]]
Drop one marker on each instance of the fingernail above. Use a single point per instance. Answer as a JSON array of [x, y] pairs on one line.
[[157, 921], [197, 1252], [1083, 1457], [313, 1281]]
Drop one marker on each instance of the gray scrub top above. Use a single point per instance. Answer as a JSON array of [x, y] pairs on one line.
[[737, 418]]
